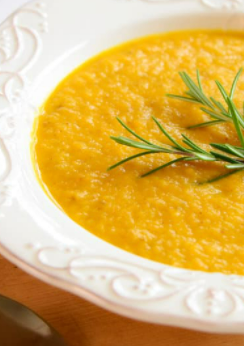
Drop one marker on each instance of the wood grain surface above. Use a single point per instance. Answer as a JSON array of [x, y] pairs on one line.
[[84, 324]]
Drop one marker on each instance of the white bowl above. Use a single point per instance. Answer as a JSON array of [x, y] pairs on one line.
[[40, 44]]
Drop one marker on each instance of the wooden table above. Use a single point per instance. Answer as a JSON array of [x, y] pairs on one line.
[[84, 324]]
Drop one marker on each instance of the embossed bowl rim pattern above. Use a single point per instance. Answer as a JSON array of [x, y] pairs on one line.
[[40, 44]]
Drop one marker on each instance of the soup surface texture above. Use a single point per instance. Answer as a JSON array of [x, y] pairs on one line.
[[166, 217]]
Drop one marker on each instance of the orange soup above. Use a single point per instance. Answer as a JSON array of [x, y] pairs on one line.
[[166, 217]]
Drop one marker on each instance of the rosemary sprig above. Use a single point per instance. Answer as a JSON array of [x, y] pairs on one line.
[[231, 156], [190, 152], [210, 106]]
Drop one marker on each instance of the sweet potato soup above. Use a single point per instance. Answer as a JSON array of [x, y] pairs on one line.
[[168, 216]]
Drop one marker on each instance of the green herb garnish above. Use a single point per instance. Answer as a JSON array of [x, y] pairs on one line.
[[232, 156], [210, 106]]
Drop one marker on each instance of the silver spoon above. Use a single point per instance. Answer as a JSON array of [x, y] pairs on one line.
[[20, 326]]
